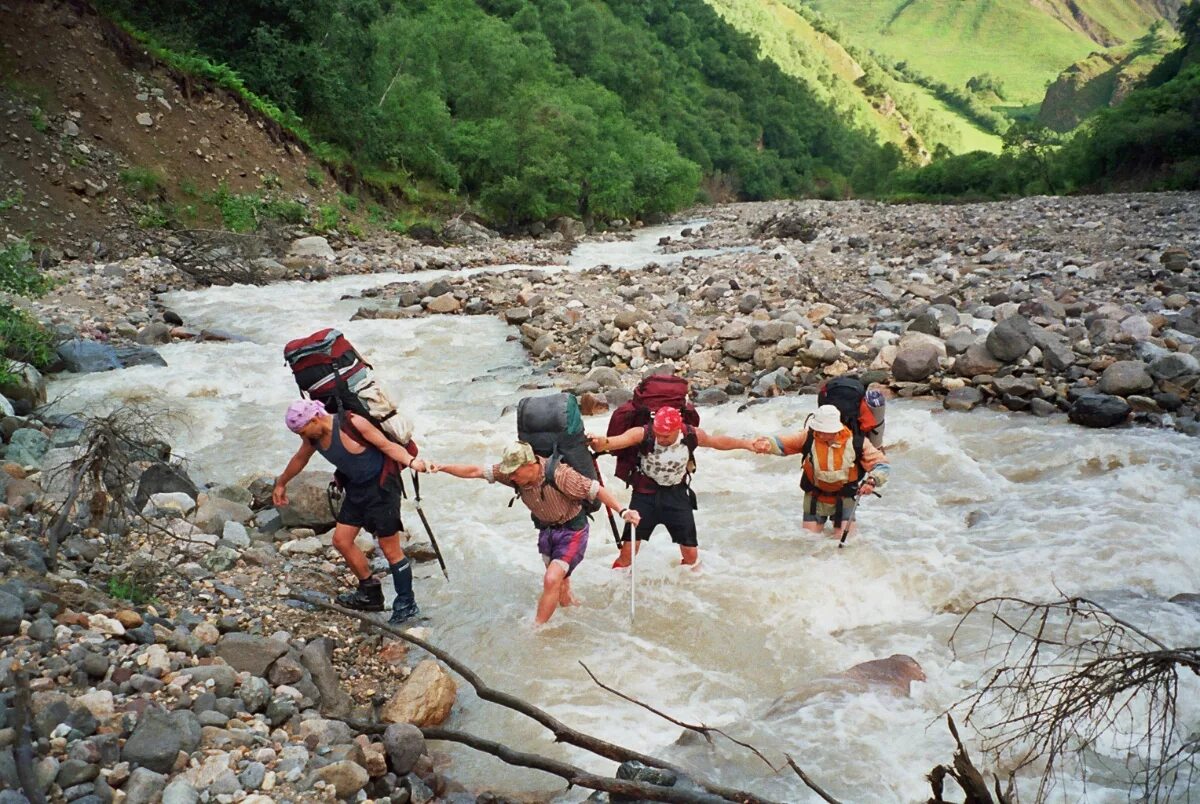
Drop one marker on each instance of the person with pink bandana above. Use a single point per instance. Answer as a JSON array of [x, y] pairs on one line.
[[662, 492], [368, 467]]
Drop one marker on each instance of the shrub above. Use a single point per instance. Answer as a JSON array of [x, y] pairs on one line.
[[146, 182]]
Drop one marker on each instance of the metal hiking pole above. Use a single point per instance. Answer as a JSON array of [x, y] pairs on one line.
[[428, 530], [612, 522], [632, 573], [846, 530]]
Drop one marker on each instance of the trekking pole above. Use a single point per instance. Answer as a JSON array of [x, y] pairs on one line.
[[632, 573], [846, 530], [428, 530], [612, 522]]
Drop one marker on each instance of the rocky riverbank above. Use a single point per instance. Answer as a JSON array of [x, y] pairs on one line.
[[1086, 306]]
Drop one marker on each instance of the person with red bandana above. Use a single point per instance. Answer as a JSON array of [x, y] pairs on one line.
[[662, 492]]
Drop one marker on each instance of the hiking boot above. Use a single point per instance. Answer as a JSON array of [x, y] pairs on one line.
[[367, 597], [405, 614]]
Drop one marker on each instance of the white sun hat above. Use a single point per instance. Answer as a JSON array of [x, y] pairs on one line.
[[828, 419]]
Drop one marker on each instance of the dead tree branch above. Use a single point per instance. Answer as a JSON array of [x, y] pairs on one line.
[[1074, 682], [576, 777], [809, 783], [706, 731], [562, 733], [22, 724]]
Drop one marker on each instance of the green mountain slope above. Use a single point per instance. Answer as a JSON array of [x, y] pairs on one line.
[[804, 46], [1103, 79], [1022, 43]]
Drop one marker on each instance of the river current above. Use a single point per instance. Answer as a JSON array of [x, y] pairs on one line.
[[979, 504]]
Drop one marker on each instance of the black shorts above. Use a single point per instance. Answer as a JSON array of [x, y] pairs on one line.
[[375, 508], [670, 506]]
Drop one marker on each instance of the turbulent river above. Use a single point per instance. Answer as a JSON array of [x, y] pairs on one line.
[[1114, 515]]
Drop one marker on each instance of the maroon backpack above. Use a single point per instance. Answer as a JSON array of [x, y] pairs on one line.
[[652, 393]]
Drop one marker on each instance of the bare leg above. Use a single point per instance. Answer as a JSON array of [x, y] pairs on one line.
[[814, 527], [851, 526], [343, 541], [565, 596], [689, 556], [625, 555], [390, 545], [552, 581]]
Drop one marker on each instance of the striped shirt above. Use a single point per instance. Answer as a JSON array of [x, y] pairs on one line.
[[545, 502]]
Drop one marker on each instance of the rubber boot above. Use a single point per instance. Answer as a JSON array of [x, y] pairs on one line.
[[404, 607], [367, 597]]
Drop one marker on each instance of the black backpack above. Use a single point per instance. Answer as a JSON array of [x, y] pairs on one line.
[[553, 426], [861, 412]]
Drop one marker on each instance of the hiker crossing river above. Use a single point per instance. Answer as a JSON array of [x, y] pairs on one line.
[[1110, 514]]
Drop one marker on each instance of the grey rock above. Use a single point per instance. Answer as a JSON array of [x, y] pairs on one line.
[[144, 786], [517, 315], [605, 377], [154, 744], [963, 399], [404, 744], [252, 776], [255, 694], [915, 362], [250, 653], [1126, 377], [1099, 410], [977, 360], [346, 777], [772, 331], [280, 710], [75, 771], [154, 333], [162, 478], [1041, 407], [223, 676], [27, 447], [1176, 364], [220, 559], [1010, 339], [12, 612], [56, 709], [959, 341], [675, 348], [314, 247], [711, 396], [317, 659], [180, 791], [740, 348]]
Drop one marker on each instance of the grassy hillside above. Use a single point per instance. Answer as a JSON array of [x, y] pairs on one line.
[[1023, 44], [905, 114]]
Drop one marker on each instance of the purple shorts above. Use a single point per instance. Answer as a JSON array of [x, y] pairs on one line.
[[563, 544]]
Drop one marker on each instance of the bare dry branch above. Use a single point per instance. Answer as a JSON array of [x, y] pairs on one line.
[[562, 733], [809, 783], [706, 731], [1074, 681]]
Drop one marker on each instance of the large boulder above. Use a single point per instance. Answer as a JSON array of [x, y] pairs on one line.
[[977, 360], [250, 653], [308, 503], [1126, 377], [214, 513], [425, 699], [155, 742], [27, 447], [963, 399], [85, 357], [315, 247], [317, 658], [163, 477], [896, 673], [1175, 364], [27, 385], [1010, 339], [1099, 410], [915, 362], [405, 744], [12, 611]]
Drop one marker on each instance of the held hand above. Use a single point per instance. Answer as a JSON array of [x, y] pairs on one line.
[[596, 442], [279, 495], [419, 465], [761, 445], [867, 486], [433, 468], [631, 516]]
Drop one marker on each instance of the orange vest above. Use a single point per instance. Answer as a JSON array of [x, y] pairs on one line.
[[830, 468]]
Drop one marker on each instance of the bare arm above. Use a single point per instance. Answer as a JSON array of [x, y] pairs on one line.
[[610, 502], [722, 442], [875, 462], [780, 445], [377, 439], [463, 470], [629, 438], [294, 467]]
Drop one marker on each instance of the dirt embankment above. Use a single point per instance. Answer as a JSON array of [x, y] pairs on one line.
[[97, 138]]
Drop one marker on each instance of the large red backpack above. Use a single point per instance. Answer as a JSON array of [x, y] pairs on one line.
[[330, 370], [652, 393]]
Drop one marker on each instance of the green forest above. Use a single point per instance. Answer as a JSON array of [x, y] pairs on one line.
[[528, 109]]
